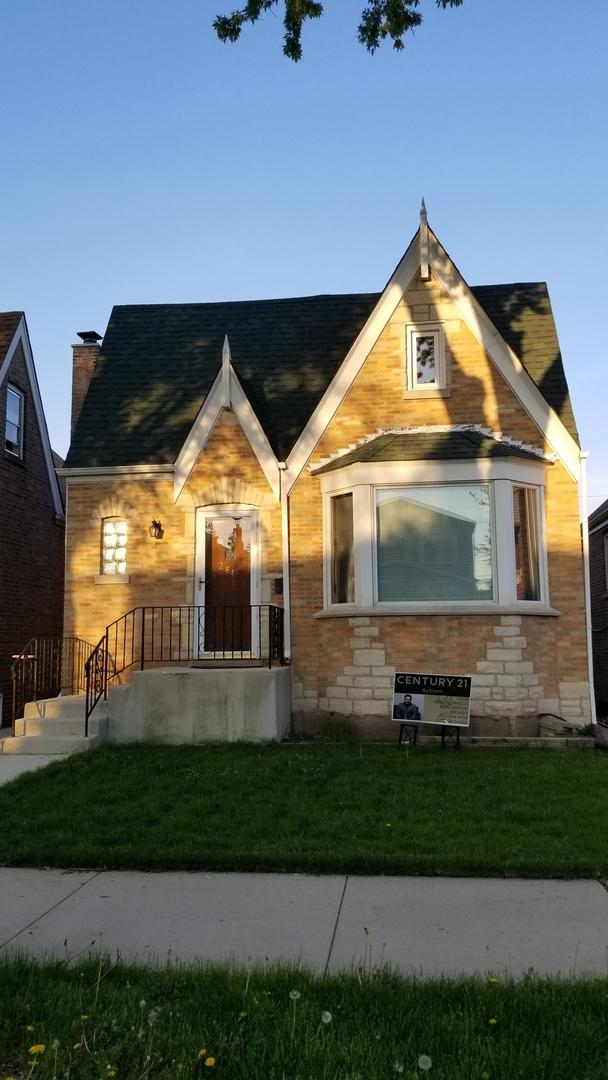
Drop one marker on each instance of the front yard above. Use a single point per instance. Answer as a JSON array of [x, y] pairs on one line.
[[319, 808], [102, 1019]]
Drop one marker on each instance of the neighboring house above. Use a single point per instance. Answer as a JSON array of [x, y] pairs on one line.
[[598, 566], [32, 523], [399, 471]]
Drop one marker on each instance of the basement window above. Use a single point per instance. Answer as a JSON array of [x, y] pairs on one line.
[[114, 546]]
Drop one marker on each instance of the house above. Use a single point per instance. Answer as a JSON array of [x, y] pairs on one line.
[[356, 484], [32, 531], [598, 566]]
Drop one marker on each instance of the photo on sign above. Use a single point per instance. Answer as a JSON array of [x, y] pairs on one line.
[[409, 708]]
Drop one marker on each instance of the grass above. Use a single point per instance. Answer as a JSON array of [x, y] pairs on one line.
[[316, 808], [111, 1020]]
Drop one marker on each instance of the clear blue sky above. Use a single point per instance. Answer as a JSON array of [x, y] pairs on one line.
[[143, 161]]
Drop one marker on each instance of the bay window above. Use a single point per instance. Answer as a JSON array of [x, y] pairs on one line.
[[411, 535]]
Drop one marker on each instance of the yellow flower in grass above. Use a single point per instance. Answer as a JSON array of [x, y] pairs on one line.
[[202, 1052], [493, 979], [30, 1027], [209, 1062], [493, 1020], [77, 1046], [37, 1048]]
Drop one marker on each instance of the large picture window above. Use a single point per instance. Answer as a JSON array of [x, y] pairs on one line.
[[434, 543], [455, 536]]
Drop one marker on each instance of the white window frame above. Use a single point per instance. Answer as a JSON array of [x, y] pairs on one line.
[[363, 479], [413, 332], [10, 389]]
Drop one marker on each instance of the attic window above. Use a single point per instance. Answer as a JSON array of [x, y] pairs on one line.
[[114, 546], [13, 435], [425, 358]]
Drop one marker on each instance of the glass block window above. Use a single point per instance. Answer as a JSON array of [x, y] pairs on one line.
[[13, 436], [114, 546]]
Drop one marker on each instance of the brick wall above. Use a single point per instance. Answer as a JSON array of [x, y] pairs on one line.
[[162, 572], [599, 615], [31, 540], [342, 666]]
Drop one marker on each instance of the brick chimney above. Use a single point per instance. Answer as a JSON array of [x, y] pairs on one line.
[[84, 359]]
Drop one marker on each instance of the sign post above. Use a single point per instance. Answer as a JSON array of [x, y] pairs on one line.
[[425, 698]]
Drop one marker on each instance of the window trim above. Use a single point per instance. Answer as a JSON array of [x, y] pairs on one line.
[[412, 332], [363, 479], [11, 388]]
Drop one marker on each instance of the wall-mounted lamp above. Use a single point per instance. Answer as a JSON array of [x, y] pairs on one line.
[[156, 530]]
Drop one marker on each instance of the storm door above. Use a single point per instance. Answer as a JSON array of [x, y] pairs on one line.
[[227, 582]]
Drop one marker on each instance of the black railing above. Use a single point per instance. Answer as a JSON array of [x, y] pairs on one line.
[[244, 633], [46, 667]]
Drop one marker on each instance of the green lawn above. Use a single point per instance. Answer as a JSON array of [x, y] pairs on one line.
[[97, 1020], [318, 808]]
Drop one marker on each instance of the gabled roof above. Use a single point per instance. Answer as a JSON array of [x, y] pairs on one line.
[[428, 446], [158, 363], [9, 321]]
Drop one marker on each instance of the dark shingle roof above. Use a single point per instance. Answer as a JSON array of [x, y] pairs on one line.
[[428, 446], [598, 515], [158, 363], [9, 321]]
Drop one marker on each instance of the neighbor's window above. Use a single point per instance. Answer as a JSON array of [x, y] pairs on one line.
[[114, 546], [526, 543], [342, 563], [13, 437], [425, 366], [434, 543]]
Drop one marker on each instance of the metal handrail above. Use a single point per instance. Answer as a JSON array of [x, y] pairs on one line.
[[46, 667], [183, 633]]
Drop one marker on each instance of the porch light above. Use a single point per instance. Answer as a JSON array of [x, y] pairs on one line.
[[156, 529]]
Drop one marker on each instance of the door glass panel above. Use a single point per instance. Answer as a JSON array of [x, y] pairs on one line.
[[228, 540]]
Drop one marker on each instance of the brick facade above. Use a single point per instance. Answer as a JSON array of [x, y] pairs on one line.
[[524, 664], [31, 539], [598, 572]]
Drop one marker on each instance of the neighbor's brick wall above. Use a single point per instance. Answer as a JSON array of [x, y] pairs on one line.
[[546, 666], [161, 572], [31, 540], [599, 615]]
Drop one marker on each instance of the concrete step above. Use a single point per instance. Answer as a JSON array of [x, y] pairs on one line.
[[63, 725], [48, 744], [68, 705]]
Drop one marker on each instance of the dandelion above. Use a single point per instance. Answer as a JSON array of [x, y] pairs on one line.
[[202, 1051], [242, 1015], [30, 1027], [388, 825], [493, 1020], [493, 979], [295, 995], [326, 1018], [209, 1062], [424, 1062], [37, 1048], [84, 1016], [77, 1046]]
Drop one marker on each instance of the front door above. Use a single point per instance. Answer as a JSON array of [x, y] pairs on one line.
[[226, 580]]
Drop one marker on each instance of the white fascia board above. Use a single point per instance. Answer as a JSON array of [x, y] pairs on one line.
[[21, 335], [433, 472], [353, 362], [100, 473], [510, 367], [205, 422]]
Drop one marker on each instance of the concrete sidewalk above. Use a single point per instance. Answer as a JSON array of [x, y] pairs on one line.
[[422, 925]]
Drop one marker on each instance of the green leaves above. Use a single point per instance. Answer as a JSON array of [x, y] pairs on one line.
[[380, 19]]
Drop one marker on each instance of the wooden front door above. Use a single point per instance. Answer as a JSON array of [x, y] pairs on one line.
[[227, 550]]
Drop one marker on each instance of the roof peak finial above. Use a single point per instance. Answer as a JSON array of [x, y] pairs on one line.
[[226, 361], [424, 243]]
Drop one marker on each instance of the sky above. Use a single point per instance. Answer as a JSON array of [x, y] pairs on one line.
[[143, 161]]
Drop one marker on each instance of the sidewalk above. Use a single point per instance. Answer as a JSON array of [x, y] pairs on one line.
[[423, 925]]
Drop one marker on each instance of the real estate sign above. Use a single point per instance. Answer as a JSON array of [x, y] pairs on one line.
[[424, 698]]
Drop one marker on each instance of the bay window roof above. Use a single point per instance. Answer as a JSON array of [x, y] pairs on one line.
[[453, 445]]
